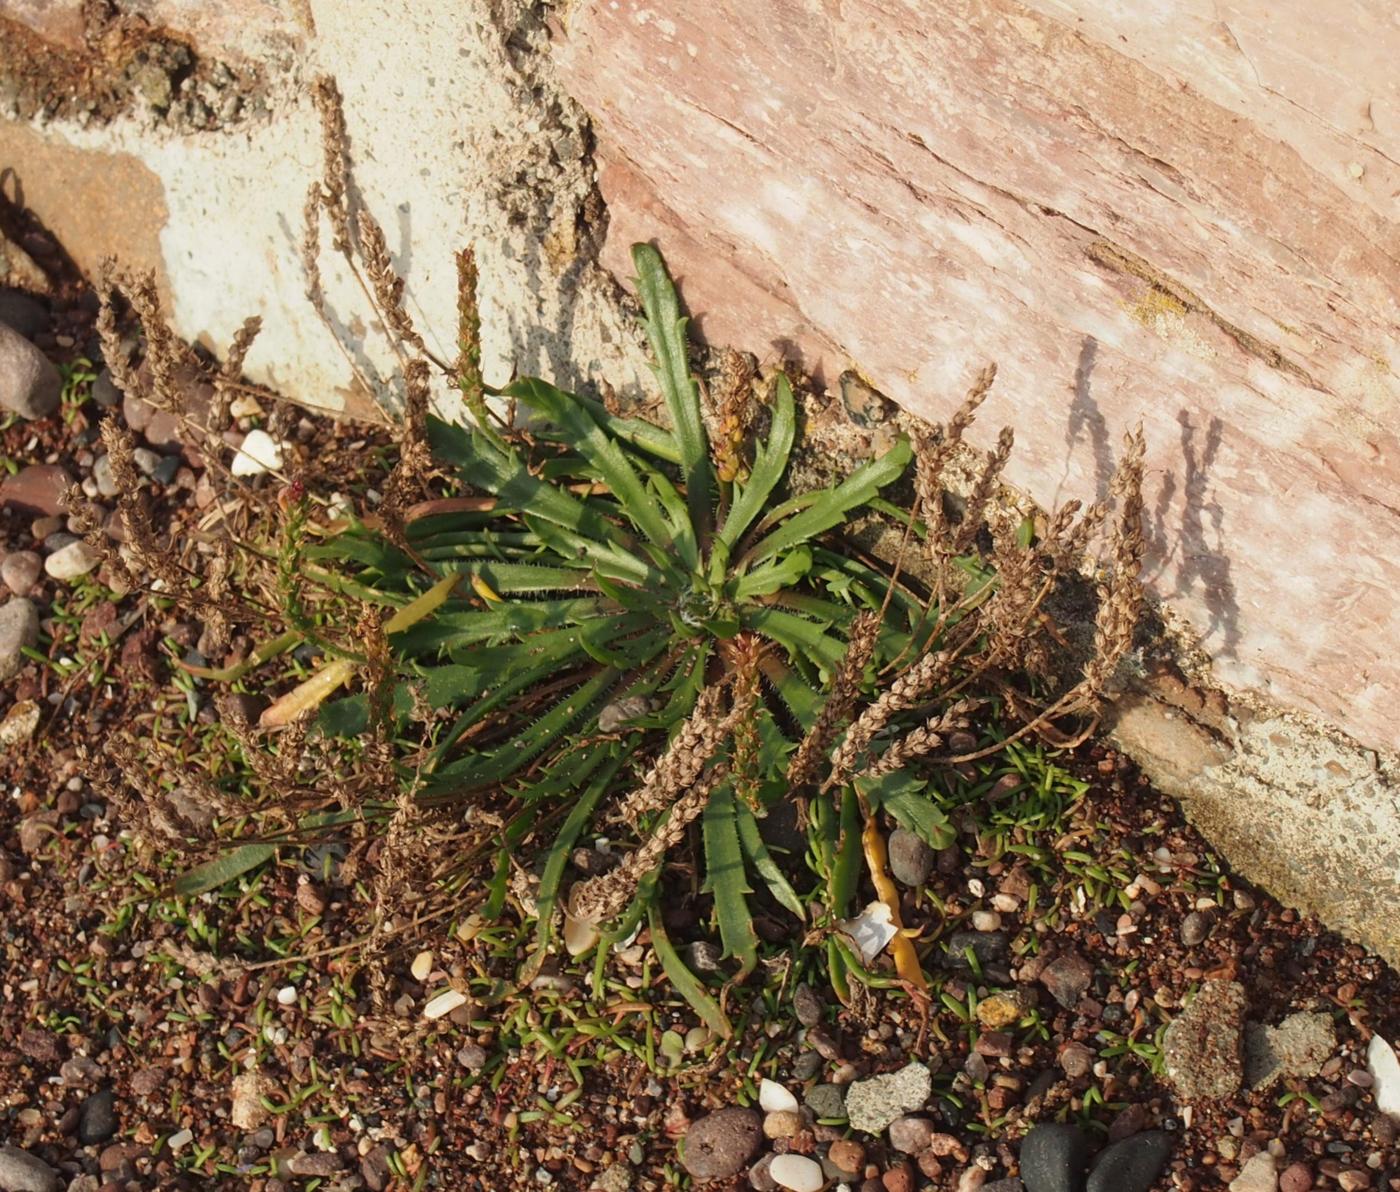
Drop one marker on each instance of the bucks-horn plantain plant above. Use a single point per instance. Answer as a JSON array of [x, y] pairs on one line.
[[610, 573]]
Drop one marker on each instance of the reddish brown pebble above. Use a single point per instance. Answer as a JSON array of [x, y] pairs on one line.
[[1296, 1178], [930, 1166], [898, 1179], [994, 1044], [848, 1155]]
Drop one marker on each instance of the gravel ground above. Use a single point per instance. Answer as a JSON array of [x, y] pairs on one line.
[[236, 1039]]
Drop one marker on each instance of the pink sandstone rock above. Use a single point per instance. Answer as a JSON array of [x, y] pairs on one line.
[[1186, 220]]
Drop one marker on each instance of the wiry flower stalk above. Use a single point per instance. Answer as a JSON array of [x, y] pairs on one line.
[[865, 631], [982, 491], [600, 898], [1120, 594], [919, 742], [906, 691], [680, 765], [934, 451], [386, 283]]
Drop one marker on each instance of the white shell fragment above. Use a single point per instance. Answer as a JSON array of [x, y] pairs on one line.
[[444, 1003], [870, 931], [774, 1098], [1385, 1071], [260, 453]]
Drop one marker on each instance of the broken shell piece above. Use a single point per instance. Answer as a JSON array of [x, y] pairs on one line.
[[1385, 1071], [870, 931], [259, 453], [444, 1003], [774, 1098]]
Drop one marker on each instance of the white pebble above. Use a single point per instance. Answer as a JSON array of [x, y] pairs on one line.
[[180, 1140], [774, 1098], [444, 1003], [985, 920], [797, 1173], [422, 965], [72, 561], [287, 995], [260, 453]]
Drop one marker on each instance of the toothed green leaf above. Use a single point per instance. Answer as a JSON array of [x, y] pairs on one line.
[[684, 981], [725, 878]]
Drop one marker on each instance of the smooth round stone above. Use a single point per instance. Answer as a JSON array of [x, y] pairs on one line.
[[21, 570], [797, 1173], [72, 561], [22, 1172], [19, 627], [29, 383], [1131, 1165], [911, 859], [911, 1135], [1053, 1158], [720, 1143], [782, 1123], [97, 1119]]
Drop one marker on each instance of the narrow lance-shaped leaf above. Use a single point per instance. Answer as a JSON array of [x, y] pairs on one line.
[[831, 507], [213, 874], [665, 328], [726, 880], [768, 469], [684, 981], [763, 863]]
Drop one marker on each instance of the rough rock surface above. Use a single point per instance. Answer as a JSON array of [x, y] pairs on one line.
[[871, 1105], [1201, 1047], [1110, 204], [1116, 203], [1298, 1047]]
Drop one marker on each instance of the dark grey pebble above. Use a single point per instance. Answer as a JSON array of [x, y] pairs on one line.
[[911, 860], [826, 1101], [988, 946], [97, 1120], [1194, 928], [1131, 1165], [806, 1005], [1054, 1157], [22, 1172]]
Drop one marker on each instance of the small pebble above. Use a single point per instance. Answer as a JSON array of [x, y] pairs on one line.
[[422, 965], [782, 1123], [797, 1173], [21, 570], [72, 561], [287, 995], [986, 921]]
